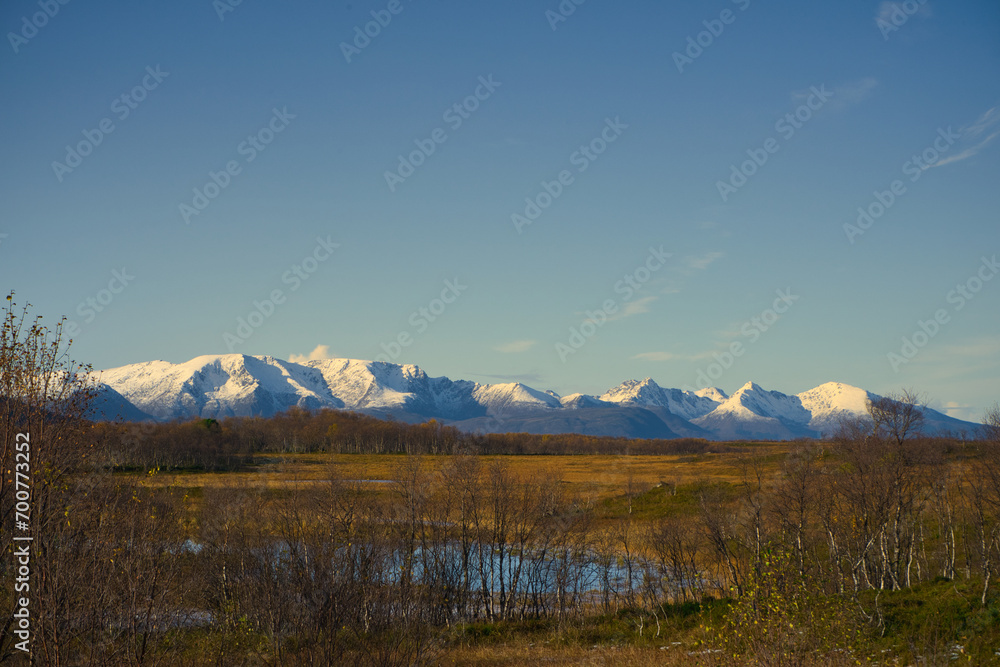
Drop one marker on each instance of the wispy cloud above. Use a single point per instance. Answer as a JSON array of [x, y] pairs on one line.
[[702, 262], [320, 353], [516, 346], [686, 267], [982, 131], [984, 123], [959, 411], [637, 307], [670, 282]]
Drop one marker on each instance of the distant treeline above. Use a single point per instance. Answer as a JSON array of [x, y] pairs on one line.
[[229, 444]]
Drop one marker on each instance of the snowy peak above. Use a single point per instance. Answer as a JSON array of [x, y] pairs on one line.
[[501, 398], [636, 392], [371, 384], [755, 399], [835, 396], [712, 393], [243, 385], [830, 403], [646, 393], [576, 401], [753, 411], [217, 385]]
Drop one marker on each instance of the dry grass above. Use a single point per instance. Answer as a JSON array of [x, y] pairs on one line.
[[581, 471], [526, 654]]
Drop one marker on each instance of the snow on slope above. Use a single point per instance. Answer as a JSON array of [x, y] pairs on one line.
[[219, 385], [646, 393], [829, 403], [375, 385], [577, 401], [712, 393], [241, 385], [500, 398], [754, 412], [752, 400]]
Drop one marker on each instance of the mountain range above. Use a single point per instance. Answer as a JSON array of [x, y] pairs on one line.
[[234, 385]]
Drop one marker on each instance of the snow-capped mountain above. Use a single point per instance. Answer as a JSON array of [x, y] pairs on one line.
[[646, 393], [242, 385], [513, 397], [830, 403], [577, 401], [754, 412]]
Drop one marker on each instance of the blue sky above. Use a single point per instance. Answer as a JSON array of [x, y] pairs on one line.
[[644, 129]]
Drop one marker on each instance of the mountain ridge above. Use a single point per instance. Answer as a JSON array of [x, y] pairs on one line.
[[234, 385]]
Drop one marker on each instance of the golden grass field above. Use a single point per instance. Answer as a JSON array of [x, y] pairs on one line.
[[606, 473]]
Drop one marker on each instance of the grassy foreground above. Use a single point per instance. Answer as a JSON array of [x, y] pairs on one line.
[[937, 622]]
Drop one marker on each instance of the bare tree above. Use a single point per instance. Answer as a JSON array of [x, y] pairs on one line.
[[44, 398], [797, 499], [991, 425], [896, 416]]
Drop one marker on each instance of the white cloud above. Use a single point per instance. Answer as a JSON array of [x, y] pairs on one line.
[[990, 118], [630, 308], [985, 124], [702, 262], [320, 353], [637, 307], [687, 266], [516, 346], [959, 411]]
